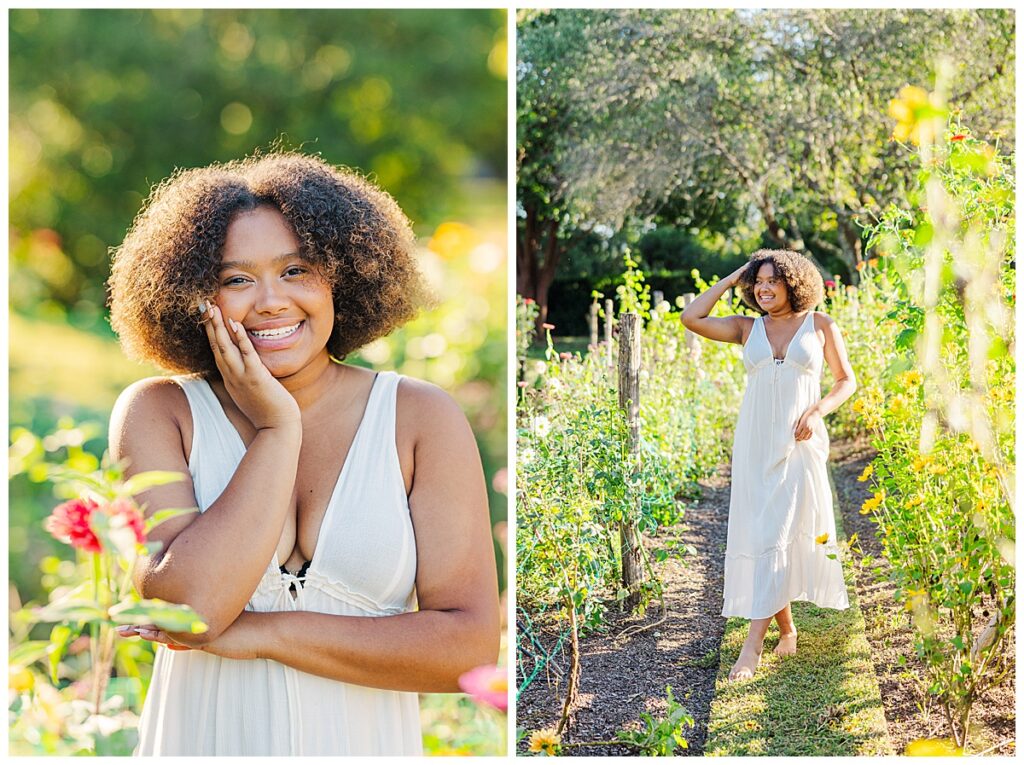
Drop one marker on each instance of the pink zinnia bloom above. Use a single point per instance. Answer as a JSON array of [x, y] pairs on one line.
[[69, 523], [487, 684], [548, 326], [829, 283]]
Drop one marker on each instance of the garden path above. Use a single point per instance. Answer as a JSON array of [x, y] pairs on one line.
[[623, 677]]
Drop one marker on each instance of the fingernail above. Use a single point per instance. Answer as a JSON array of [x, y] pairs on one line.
[[234, 327]]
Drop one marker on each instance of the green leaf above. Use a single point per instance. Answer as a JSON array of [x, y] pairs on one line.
[[70, 611], [164, 515], [167, 616], [60, 638], [143, 481], [923, 234], [28, 653], [906, 339]]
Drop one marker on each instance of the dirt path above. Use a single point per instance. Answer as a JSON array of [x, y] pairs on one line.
[[621, 678]]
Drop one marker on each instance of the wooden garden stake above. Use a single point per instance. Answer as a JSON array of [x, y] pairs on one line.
[[593, 323], [629, 399]]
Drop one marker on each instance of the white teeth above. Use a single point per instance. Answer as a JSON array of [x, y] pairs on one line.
[[280, 332]]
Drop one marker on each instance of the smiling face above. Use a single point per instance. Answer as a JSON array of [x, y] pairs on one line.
[[286, 308], [770, 290]]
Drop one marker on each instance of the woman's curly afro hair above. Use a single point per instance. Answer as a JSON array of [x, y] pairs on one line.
[[353, 233], [804, 285]]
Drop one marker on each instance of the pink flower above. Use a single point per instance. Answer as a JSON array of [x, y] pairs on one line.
[[500, 481], [69, 523], [548, 326], [522, 383], [122, 508], [958, 137], [564, 356], [528, 301], [487, 684], [830, 284]]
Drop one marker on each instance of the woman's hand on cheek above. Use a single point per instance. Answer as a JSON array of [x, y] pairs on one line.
[[261, 398]]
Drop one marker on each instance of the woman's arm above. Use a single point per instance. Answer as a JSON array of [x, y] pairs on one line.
[[696, 316], [457, 626], [844, 385], [196, 565]]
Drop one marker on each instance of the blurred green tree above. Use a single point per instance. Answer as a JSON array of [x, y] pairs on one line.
[[417, 99]]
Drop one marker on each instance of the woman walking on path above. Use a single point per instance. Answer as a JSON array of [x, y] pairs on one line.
[[781, 527], [341, 554]]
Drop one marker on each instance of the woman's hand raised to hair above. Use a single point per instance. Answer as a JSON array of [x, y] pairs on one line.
[[254, 390], [734, 278]]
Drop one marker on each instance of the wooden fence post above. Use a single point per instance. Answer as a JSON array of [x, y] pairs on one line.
[[609, 311], [629, 399], [592, 319]]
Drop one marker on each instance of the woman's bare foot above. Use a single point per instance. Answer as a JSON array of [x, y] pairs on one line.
[[745, 665], [787, 645]]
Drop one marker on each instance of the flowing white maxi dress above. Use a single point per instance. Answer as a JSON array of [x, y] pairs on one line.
[[364, 565], [781, 500]]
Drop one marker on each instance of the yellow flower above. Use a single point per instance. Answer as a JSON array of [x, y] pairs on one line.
[[858, 405], [920, 462], [867, 473], [546, 741], [914, 114], [872, 503], [914, 501], [20, 679], [933, 747], [821, 539], [912, 378], [938, 469], [898, 404]]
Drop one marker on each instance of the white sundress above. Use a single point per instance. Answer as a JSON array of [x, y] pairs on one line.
[[781, 500], [364, 565]]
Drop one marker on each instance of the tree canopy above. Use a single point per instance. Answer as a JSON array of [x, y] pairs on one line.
[[719, 118]]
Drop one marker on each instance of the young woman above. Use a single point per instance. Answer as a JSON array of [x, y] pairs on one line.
[[781, 527], [341, 555]]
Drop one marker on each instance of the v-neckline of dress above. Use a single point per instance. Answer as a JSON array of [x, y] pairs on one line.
[[789, 345], [275, 564]]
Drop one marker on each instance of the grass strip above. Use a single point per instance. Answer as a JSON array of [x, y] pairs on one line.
[[823, 701]]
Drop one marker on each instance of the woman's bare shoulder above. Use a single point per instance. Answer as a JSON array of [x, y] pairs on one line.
[[822, 320], [147, 409], [152, 396], [422, 404]]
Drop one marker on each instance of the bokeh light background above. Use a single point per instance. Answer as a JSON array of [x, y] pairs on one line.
[[106, 103]]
